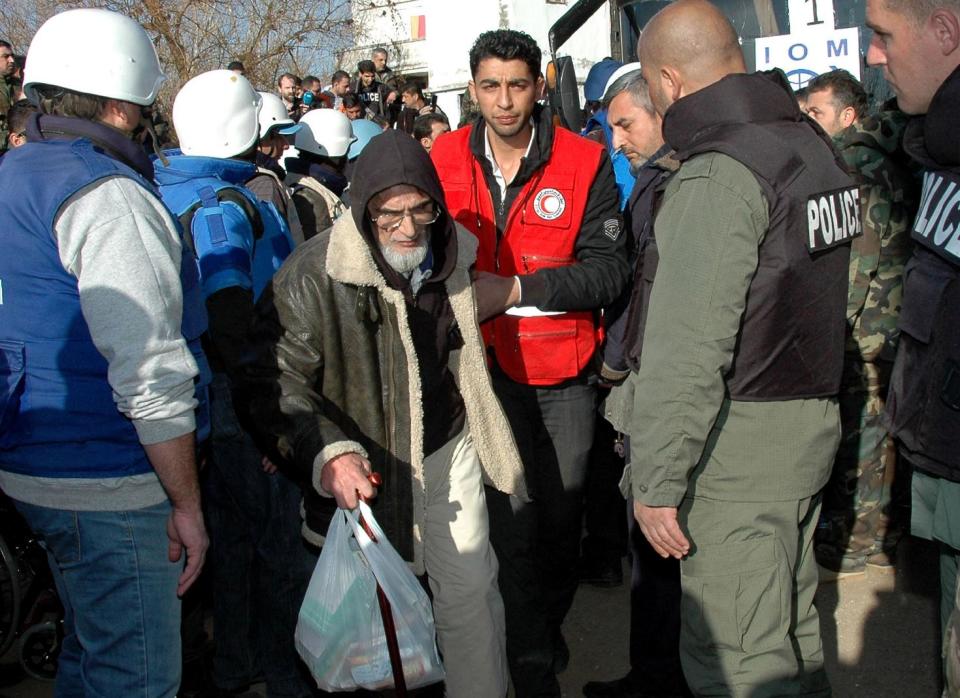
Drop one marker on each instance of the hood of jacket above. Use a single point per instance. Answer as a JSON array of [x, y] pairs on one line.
[[739, 98], [45, 127], [390, 159], [182, 168]]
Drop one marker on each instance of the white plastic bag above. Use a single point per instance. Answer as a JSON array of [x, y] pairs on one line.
[[340, 631]]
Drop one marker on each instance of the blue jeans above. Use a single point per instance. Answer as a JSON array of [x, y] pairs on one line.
[[119, 594], [259, 562]]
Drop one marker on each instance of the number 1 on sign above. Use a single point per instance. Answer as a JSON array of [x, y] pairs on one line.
[[810, 14]]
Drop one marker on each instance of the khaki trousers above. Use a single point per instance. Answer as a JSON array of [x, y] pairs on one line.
[[462, 571], [749, 626]]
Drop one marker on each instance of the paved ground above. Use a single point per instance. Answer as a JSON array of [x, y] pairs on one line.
[[880, 635]]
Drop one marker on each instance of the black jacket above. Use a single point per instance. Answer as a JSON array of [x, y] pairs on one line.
[[623, 319]]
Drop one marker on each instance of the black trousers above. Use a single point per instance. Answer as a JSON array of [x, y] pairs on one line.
[[538, 542], [654, 615]]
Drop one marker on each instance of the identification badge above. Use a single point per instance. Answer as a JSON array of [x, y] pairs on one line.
[[937, 226], [833, 218]]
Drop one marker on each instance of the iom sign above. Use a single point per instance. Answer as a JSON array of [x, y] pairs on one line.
[[814, 45]]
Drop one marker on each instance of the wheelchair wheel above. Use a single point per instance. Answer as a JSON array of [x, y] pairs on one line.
[[39, 649], [9, 598]]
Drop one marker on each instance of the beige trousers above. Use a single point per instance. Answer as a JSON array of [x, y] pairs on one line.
[[462, 571]]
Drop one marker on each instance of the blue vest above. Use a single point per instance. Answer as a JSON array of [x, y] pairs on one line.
[[57, 413], [239, 240]]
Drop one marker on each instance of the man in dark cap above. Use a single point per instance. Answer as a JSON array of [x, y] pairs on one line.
[[369, 360]]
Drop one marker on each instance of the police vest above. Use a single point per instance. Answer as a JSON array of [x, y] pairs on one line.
[[791, 340], [541, 232], [923, 407], [58, 417], [238, 239]]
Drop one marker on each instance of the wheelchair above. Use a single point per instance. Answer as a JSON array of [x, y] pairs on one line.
[[31, 615]]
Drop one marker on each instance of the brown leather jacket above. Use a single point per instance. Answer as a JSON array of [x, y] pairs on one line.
[[336, 372]]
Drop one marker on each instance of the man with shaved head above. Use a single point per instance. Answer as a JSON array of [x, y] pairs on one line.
[[917, 44], [735, 420]]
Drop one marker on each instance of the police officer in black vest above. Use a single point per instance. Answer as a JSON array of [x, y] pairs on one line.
[[918, 46], [735, 419]]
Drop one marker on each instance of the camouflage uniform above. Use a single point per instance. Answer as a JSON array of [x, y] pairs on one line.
[[8, 91], [855, 525]]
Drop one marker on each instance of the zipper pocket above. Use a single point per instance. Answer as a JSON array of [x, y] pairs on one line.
[[535, 262], [553, 334]]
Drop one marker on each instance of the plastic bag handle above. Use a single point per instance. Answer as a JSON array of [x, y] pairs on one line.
[[377, 481], [364, 517]]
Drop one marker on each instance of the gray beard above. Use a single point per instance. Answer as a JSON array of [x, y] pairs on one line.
[[405, 263]]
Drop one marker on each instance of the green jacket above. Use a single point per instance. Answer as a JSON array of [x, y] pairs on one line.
[[687, 437], [889, 199], [336, 372], [8, 90]]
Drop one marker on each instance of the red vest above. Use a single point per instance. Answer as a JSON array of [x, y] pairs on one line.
[[541, 232]]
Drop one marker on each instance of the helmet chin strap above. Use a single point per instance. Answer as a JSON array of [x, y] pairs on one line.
[[147, 123]]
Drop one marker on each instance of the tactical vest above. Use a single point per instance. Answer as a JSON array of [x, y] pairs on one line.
[[541, 232], [923, 407], [58, 417], [791, 340], [238, 239]]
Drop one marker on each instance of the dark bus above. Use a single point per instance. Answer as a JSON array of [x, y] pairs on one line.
[[753, 19]]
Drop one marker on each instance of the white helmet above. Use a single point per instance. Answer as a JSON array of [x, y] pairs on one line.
[[619, 73], [273, 113], [216, 115], [325, 132], [96, 52]]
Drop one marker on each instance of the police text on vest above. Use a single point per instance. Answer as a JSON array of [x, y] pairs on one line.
[[833, 218], [937, 226]]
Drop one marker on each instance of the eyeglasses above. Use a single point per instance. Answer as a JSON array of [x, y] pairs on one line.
[[421, 216]]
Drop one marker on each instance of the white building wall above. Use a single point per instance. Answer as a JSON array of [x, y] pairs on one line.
[[451, 28]]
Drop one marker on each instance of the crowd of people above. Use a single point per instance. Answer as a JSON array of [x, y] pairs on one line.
[[725, 311]]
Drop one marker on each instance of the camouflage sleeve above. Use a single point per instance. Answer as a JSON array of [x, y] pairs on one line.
[[6, 101], [877, 260]]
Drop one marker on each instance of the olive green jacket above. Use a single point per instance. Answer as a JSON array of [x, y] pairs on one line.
[[336, 372], [687, 437], [8, 90]]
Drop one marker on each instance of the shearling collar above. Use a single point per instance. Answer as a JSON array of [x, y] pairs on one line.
[[350, 261]]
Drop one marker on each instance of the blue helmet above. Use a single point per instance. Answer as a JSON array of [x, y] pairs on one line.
[[363, 131], [597, 79]]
